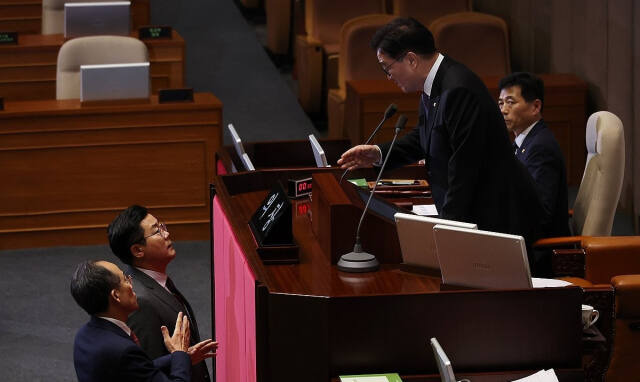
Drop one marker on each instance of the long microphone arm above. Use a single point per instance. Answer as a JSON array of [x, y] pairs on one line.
[[358, 260], [391, 110]]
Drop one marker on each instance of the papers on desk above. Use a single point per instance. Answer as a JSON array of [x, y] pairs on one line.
[[391, 377], [548, 283], [541, 376], [425, 209]]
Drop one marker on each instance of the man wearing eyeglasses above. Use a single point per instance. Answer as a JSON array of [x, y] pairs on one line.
[[106, 349], [461, 134], [143, 243]]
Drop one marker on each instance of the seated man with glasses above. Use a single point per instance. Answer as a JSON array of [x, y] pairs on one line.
[[106, 349], [143, 243]]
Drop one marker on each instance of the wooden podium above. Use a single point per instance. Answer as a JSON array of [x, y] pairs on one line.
[[311, 322]]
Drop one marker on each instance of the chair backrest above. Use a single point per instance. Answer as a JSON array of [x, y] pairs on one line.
[[478, 40], [601, 184], [427, 11], [93, 50], [324, 18], [357, 59], [53, 14]]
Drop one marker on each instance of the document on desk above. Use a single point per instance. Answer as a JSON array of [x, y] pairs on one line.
[[390, 377], [425, 209], [541, 376], [538, 282]]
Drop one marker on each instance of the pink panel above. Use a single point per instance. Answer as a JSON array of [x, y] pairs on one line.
[[220, 168], [235, 304]]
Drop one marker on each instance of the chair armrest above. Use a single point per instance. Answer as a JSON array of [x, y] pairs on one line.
[[627, 295], [559, 242], [608, 256], [568, 262]]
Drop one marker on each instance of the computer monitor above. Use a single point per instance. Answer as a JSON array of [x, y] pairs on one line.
[[247, 162], [114, 81], [318, 152], [102, 18], [481, 259], [444, 365], [237, 142], [417, 244]]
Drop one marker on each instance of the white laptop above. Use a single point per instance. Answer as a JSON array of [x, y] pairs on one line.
[[481, 259], [114, 81], [416, 238], [318, 152], [101, 18], [246, 161], [237, 142]]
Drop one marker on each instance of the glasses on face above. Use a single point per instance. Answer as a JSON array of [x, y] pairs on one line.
[[386, 69], [162, 230], [128, 279]]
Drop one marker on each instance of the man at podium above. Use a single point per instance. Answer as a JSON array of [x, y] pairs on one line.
[[461, 134]]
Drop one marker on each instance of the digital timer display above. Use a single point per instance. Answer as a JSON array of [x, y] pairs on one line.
[[300, 187]]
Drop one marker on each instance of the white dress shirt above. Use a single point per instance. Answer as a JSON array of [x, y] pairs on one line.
[[520, 138], [120, 324], [160, 278]]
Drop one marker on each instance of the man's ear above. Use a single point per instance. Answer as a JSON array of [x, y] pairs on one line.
[[412, 59], [537, 105], [137, 251], [115, 295]]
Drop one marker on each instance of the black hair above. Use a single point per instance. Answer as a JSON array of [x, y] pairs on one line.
[[402, 35], [531, 86], [91, 286], [125, 231]]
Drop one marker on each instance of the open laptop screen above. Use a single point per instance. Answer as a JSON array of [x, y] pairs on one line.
[[100, 18], [114, 81]]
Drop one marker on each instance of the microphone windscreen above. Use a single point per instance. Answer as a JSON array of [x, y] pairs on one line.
[[402, 120], [391, 110]]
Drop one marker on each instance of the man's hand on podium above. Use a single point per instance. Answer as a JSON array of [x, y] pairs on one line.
[[360, 156]]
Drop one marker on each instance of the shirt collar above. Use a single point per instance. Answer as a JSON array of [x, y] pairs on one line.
[[160, 278], [520, 138], [120, 324], [428, 83]]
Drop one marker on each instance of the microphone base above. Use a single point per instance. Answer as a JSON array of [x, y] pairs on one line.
[[358, 262]]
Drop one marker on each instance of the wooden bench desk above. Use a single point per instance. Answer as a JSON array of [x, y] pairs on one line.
[[28, 69], [67, 169]]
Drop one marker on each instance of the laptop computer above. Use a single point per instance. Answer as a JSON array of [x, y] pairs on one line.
[[444, 365], [237, 142], [415, 234], [101, 18], [481, 259], [246, 161], [318, 152], [114, 81]]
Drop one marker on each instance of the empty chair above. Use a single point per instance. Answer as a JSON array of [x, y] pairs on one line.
[[317, 52], [427, 11], [478, 40], [357, 61], [53, 14], [93, 50]]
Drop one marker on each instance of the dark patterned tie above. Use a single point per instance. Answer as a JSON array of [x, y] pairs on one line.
[[425, 102], [515, 148], [195, 335], [134, 338]]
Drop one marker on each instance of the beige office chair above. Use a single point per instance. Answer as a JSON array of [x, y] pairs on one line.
[[427, 11], [478, 40], [53, 14], [357, 62], [279, 24], [91, 51], [316, 54]]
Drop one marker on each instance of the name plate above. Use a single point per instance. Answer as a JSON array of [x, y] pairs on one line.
[[271, 223], [175, 95], [154, 32], [8, 38]]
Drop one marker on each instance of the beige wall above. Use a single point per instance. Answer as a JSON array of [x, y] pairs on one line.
[[598, 40]]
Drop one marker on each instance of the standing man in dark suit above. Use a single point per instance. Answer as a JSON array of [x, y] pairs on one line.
[[473, 174], [143, 243], [521, 101], [105, 348]]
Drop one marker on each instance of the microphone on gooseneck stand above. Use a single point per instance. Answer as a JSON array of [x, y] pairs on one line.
[[391, 110], [358, 260]]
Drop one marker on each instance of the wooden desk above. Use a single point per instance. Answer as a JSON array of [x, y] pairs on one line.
[[28, 70], [68, 169], [25, 16], [564, 112], [311, 322]]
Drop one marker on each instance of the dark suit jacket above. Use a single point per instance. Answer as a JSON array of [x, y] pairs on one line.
[[102, 351], [541, 155], [158, 307], [473, 173]]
